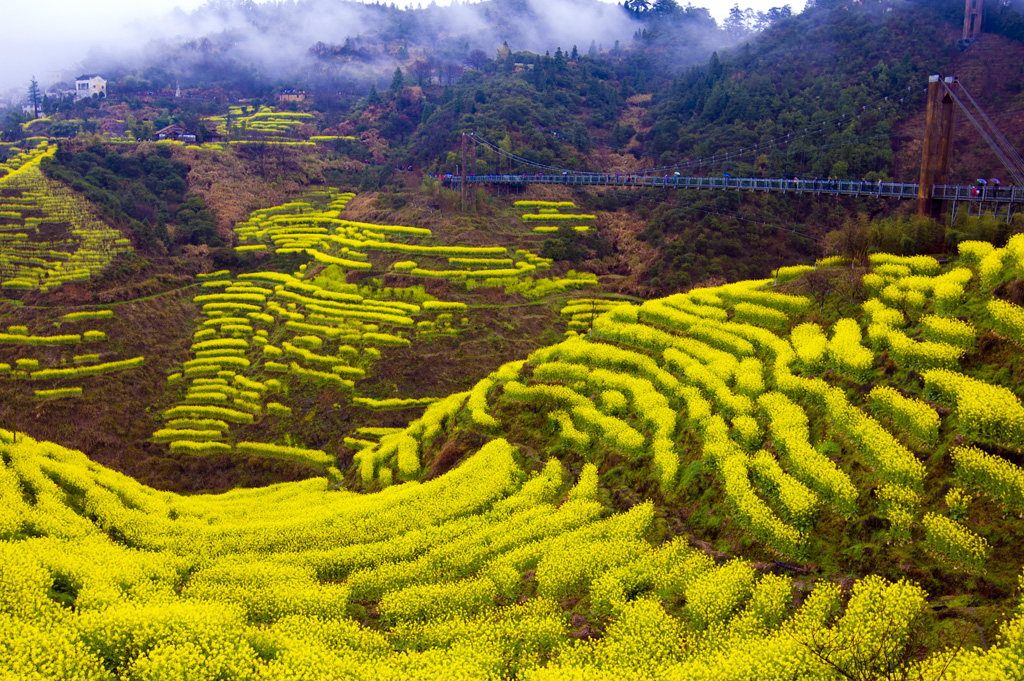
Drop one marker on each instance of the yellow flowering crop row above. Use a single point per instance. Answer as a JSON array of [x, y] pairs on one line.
[[949, 330], [710, 382], [748, 431], [973, 252], [89, 370], [911, 416], [811, 345], [987, 412], [198, 424], [761, 315], [900, 505], [22, 339], [211, 412], [798, 503], [171, 434], [315, 456], [954, 542], [576, 438], [784, 274], [691, 304], [992, 475], [58, 393], [750, 377], [895, 462], [1007, 319], [846, 354], [95, 314], [532, 217], [743, 292], [544, 204], [990, 268], [477, 403], [610, 357], [789, 430], [919, 264], [393, 402]]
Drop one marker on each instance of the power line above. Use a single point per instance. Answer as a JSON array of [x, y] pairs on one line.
[[1003, 150]]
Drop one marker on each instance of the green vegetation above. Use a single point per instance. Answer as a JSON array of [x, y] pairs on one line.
[[141, 192], [48, 235]]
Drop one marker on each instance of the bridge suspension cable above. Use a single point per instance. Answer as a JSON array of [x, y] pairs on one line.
[[995, 139]]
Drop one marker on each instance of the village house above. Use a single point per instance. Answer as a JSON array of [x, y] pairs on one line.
[[291, 96], [87, 86], [176, 133]]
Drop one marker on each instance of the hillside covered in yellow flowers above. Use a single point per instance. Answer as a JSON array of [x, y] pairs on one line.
[[816, 475]]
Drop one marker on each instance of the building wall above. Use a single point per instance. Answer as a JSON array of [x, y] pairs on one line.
[[90, 87]]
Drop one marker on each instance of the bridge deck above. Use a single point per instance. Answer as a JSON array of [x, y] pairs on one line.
[[896, 190]]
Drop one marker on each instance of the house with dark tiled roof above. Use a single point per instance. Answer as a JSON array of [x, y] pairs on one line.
[[176, 133]]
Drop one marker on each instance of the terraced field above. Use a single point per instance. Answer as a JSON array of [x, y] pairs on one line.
[[816, 475], [48, 234]]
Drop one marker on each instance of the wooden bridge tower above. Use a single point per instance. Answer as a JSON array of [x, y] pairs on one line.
[[937, 147], [973, 15]]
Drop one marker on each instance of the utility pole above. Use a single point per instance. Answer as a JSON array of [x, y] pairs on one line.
[[937, 147], [472, 166], [462, 173]]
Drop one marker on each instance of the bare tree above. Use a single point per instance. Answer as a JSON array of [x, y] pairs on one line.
[[886, 653], [451, 72], [477, 59], [422, 71]]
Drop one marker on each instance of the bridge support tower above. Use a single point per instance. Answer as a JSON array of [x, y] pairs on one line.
[[974, 13], [937, 147]]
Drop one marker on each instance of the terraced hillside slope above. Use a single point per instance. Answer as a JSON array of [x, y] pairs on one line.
[[812, 476]]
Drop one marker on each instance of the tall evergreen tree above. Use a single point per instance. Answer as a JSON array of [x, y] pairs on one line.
[[34, 97]]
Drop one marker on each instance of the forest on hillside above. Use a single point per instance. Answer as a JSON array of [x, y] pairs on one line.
[[851, 107]]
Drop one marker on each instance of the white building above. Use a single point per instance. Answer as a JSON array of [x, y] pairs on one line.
[[87, 86]]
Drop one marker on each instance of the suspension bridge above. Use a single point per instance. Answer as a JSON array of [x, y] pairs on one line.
[[931, 193]]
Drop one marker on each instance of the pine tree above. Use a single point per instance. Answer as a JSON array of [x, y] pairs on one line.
[[396, 81], [33, 96]]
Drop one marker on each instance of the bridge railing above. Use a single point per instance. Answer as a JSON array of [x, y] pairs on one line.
[[898, 190], [987, 193]]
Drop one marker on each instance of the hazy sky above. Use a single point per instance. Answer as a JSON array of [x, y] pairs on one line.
[[45, 37]]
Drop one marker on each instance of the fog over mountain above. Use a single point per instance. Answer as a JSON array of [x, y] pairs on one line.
[[325, 43]]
